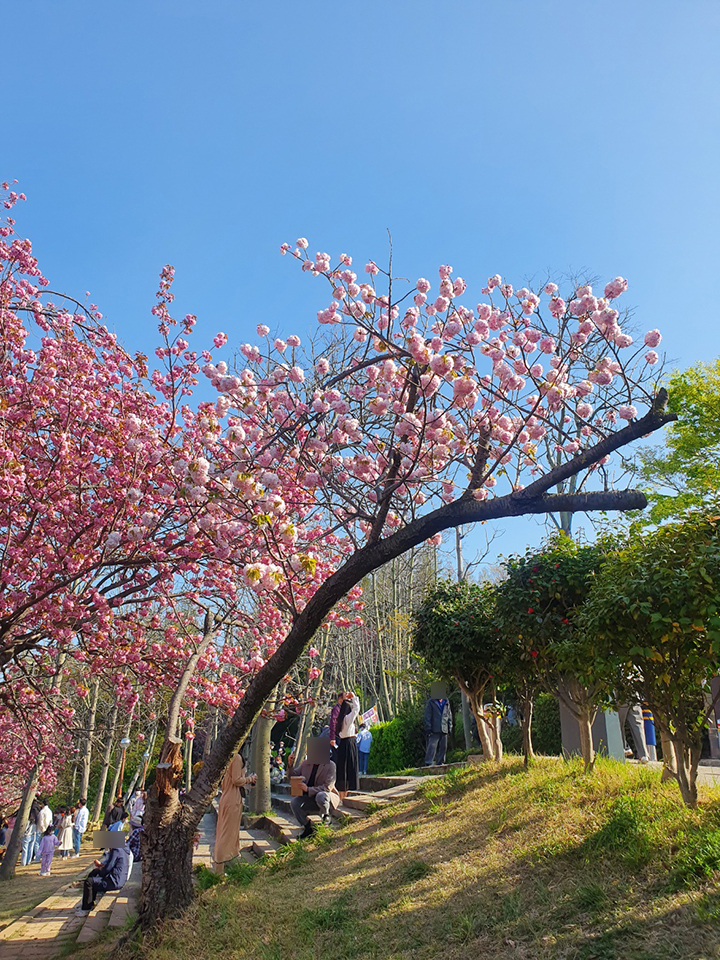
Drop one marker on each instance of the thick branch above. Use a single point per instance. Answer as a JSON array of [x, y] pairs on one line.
[[351, 573]]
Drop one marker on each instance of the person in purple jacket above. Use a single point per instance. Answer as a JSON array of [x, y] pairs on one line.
[[46, 849]]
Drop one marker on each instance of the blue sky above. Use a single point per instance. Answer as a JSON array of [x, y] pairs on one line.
[[523, 137]]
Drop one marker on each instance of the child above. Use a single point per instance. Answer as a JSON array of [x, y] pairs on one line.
[[46, 850]]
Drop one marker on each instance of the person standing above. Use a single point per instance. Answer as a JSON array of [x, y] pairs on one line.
[[438, 724], [29, 836], [631, 713], [44, 820], [227, 831], [364, 743], [347, 751], [80, 825], [332, 722], [65, 834], [46, 849]]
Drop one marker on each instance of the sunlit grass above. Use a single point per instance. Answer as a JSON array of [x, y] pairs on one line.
[[492, 861]]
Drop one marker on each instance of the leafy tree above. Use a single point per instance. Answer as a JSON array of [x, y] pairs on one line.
[[456, 634], [536, 608], [685, 473], [654, 610]]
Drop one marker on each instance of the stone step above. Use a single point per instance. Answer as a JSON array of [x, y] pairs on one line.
[[362, 802], [372, 784], [281, 803], [122, 908], [265, 846], [94, 925]]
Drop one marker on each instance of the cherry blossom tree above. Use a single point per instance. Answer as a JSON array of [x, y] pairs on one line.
[[403, 417], [407, 413]]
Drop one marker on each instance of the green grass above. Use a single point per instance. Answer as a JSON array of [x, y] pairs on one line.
[[494, 862]]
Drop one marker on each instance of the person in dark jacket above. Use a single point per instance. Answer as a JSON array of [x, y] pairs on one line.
[[111, 875], [114, 813], [438, 724]]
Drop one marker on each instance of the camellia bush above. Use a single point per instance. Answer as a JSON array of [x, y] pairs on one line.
[[457, 636], [537, 605], [653, 616], [408, 410]]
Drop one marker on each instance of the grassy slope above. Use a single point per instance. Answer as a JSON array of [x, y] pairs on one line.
[[492, 863]]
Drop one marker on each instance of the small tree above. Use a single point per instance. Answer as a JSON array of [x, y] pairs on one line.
[[456, 635], [654, 609], [536, 607]]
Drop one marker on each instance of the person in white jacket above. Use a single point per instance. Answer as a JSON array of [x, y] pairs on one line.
[[347, 752], [44, 820], [80, 825]]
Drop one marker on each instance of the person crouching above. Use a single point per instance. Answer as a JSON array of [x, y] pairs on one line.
[[318, 785]]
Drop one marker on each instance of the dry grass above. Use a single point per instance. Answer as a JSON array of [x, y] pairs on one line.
[[488, 862]]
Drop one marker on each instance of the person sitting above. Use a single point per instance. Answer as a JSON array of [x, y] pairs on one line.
[[318, 785], [134, 842], [111, 875]]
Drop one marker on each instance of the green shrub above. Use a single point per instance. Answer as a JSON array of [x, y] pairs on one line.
[[399, 743]]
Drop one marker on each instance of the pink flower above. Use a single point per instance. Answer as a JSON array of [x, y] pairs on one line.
[[313, 652], [615, 288], [652, 338], [220, 339], [627, 412], [372, 268], [302, 243], [445, 270], [280, 346], [422, 285], [293, 341], [651, 356]]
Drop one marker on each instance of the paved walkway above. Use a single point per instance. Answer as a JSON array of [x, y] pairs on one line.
[[52, 926]]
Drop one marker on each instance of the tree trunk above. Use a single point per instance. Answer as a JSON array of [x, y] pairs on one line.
[[687, 768], [90, 734], [526, 706], [260, 795], [116, 787], [167, 842], [107, 753], [9, 861], [467, 721], [169, 830], [587, 748]]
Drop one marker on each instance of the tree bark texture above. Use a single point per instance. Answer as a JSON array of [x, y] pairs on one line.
[[9, 862], [89, 735], [107, 753], [260, 795]]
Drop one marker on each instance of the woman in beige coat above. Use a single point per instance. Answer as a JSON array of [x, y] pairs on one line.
[[227, 832]]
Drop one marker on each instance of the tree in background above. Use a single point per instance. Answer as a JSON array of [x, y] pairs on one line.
[[653, 616], [685, 473], [456, 634], [536, 608]]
